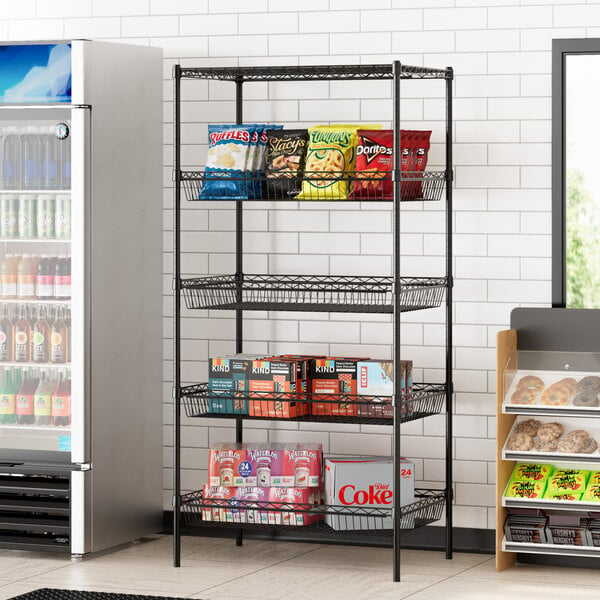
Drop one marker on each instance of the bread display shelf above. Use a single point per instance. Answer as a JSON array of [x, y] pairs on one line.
[[555, 549], [534, 456], [543, 504]]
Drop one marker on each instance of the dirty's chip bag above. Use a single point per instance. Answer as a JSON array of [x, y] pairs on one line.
[[285, 153], [374, 164]]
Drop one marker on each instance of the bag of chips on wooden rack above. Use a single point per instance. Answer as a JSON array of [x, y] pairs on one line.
[[374, 164], [285, 155], [330, 161]]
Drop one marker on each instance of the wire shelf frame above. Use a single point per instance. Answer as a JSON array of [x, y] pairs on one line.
[[235, 513], [426, 399], [315, 293], [416, 186]]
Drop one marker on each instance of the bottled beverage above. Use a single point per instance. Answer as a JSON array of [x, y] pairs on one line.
[[62, 277], [8, 274], [68, 322], [6, 336], [40, 336], [65, 163], [45, 216], [26, 218], [50, 159], [22, 351], [25, 278], [11, 159], [61, 401], [8, 412], [42, 401], [25, 398], [59, 337], [32, 159], [9, 214], [44, 280], [62, 217]]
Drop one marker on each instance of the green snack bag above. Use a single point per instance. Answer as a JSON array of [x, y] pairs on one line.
[[571, 496], [594, 478], [567, 482], [531, 472], [525, 489], [591, 494]]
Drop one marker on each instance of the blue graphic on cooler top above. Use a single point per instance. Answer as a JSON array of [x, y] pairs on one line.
[[64, 443], [35, 73]]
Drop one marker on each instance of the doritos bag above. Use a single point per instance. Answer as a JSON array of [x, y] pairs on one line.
[[374, 164]]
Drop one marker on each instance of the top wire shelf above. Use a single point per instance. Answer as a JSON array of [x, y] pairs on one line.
[[313, 72]]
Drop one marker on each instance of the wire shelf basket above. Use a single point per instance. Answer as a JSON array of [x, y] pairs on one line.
[[324, 519], [315, 293], [427, 186], [426, 399]]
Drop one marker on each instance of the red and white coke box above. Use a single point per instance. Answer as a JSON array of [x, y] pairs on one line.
[[228, 466], [216, 500], [365, 482], [302, 465], [297, 500]]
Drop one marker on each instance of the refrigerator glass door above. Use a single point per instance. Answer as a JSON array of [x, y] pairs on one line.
[[42, 292]]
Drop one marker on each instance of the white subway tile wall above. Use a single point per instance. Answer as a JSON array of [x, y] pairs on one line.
[[501, 52]]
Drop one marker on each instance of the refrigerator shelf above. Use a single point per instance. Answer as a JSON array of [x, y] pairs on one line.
[[425, 400], [36, 192], [53, 428], [426, 509], [26, 365], [34, 301], [36, 240]]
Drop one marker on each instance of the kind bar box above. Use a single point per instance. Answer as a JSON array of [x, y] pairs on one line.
[[297, 501], [229, 466], [272, 389], [215, 503], [302, 465], [359, 482], [268, 459], [228, 385], [331, 378]]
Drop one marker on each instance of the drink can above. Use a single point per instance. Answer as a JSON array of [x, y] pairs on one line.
[[27, 216], [45, 216], [62, 220], [9, 211]]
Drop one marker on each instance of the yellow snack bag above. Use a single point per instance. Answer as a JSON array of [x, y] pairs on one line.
[[330, 160]]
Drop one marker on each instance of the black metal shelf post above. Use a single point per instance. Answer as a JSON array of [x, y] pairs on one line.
[[392, 295]]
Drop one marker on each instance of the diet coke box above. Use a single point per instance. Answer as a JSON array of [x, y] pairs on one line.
[[215, 503], [302, 465], [268, 460], [359, 482], [249, 505], [229, 466], [298, 501]]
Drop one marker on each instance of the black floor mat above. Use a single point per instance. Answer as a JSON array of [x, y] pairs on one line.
[[56, 594]]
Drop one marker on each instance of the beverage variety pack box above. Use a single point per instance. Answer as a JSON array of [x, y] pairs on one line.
[[300, 502], [302, 465], [228, 466], [359, 482], [248, 505], [268, 459], [215, 499]]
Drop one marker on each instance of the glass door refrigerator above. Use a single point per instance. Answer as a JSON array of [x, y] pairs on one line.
[[80, 295]]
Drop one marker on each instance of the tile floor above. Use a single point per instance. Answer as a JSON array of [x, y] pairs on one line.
[[215, 569]]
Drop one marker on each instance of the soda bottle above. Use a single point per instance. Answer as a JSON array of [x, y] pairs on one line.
[[11, 159], [9, 215], [65, 164], [68, 322], [62, 217], [61, 401], [8, 274], [52, 280], [62, 277], [25, 398], [42, 401], [22, 351], [26, 217], [32, 159], [25, 278], [45, 216], [6, 336], [8, 413], [40, 337], [50, 159], [44, 280], [59, 338]]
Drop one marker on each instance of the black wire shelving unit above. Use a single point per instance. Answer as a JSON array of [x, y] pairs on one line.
[[242, 292]]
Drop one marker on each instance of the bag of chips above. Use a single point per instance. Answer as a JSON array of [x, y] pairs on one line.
[[224, 176], [330, 161], [257, 168], [374, 164], [285, 154], [415, 148]]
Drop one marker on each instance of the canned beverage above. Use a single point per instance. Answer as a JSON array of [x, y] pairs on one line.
[[62, 217], [9, 211], [45, 216], [27, 216]]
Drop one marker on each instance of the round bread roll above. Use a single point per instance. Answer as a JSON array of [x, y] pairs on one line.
[[545, 445], [550, 431], [578, 434], [591, 384], [589, 445], [585, 400], [555, 395], [520, 442], [530, 382], [529, 427], [570, 445], [523, 396], [569, 383]]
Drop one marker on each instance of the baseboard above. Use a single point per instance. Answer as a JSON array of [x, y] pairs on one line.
[[480, 541]]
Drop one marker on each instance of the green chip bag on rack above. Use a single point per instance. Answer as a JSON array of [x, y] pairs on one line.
[[531, 472], [592, 493], [330, 161]]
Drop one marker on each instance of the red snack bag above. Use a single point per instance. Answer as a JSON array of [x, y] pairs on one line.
[[422, 146], [374, 164], [415, 147]]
